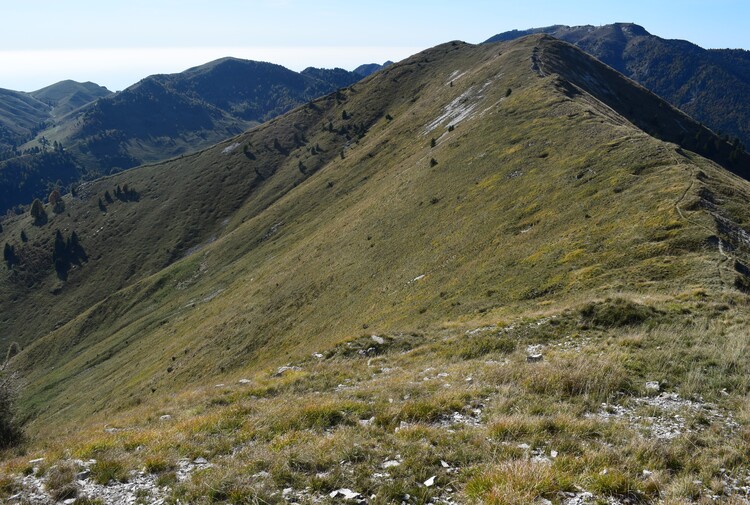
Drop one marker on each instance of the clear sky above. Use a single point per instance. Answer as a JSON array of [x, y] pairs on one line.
[[115, 43]]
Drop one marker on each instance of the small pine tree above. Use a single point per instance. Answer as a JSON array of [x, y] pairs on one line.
[[9, 255], [24, 238], [108, 197], [433, 162], [388, 117], [73, 243], [102, 207], [345, 115], [60, 250], [508, 92], [302, 167], [433, 142]]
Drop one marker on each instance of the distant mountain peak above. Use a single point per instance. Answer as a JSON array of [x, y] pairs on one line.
[[370, 68], [634, 29], [564, 31]]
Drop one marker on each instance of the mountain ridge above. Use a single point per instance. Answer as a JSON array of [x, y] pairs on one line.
[[709, 85]]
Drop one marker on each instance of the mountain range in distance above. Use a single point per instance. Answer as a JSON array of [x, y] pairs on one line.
[[100, 132]]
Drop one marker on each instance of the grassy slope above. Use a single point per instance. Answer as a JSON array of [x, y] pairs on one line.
[[540, 200], [19, 114]]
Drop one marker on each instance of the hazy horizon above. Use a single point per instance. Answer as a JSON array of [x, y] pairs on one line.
[[117, 45]]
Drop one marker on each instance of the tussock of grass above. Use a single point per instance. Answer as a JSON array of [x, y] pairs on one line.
[[423, 410], [319, 415], [613, 313], [564, 376], [61, 481], [157, 465], [367, 346], [478, 346], [517, 482], [524, 427], [106, 470], [614, 483]]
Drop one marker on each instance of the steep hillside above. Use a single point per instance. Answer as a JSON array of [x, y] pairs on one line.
[[467, 206], [160, 117], [20, 114], [710, 85]]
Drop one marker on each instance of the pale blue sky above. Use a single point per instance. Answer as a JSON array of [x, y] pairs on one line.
[[116, 43]]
